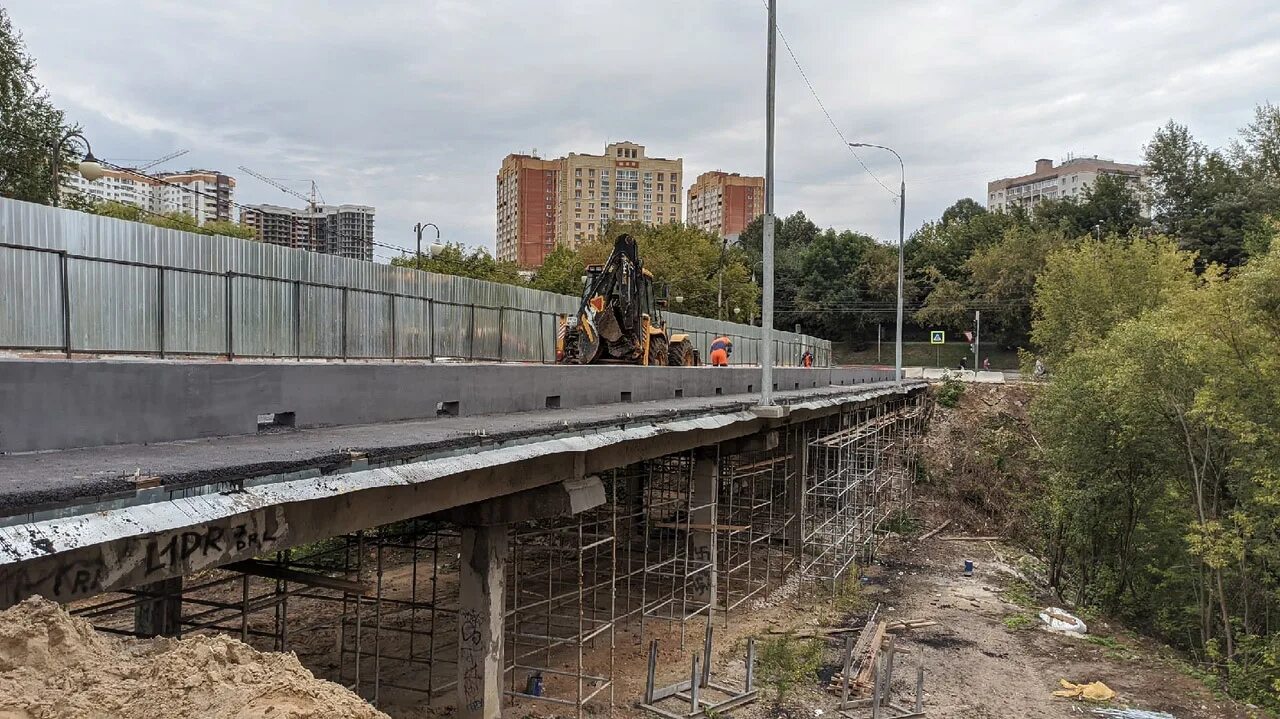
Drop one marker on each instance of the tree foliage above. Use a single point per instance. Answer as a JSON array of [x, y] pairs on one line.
[[1086, 290], [30, 125], [455, 259], [1161, 438]]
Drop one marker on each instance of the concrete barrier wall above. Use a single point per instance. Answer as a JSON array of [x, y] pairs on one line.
[[56, 404]]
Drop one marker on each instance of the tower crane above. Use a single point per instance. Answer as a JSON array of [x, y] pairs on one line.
[[171, 156], [311, 200]]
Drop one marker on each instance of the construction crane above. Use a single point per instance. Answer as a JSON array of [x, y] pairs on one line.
[[172, 155], [141, 168], [311, 201]]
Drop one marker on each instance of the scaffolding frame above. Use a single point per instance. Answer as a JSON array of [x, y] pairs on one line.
[[377, 610], [561, 597]]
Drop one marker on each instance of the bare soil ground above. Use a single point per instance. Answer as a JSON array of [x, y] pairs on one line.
[[977, 667]]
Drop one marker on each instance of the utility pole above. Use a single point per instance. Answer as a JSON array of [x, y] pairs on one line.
[[766, 320]]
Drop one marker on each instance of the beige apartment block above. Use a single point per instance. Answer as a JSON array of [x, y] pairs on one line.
[[1068, 180], [725, 203], [622, 185], [543, 203]]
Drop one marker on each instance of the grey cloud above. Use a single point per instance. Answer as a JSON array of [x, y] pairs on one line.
[[410, 106]]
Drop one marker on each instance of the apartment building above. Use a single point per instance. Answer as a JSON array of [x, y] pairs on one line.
[[622, 184], [527, 199], [343, 230], [203, 194], [725, 203], [1049, 182]]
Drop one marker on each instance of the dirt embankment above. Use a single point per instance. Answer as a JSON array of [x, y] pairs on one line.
[[980, 460], [55, 666]]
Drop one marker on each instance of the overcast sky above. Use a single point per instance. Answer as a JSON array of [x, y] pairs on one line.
[[410, 105]]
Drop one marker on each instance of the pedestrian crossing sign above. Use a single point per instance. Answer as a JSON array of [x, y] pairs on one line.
[[937, 337]]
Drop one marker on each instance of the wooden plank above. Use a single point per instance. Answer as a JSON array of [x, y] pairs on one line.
[[267, 570], [936, 529], [704, 527], [971, 539]]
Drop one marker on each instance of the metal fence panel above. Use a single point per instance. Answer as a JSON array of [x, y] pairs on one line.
[[30, 299], [522, 336], [195, 313], [368, 324], [262, 317], [114, 308], [320, 324], [452, 330], [413, 331], [487, 342], [118, 307]]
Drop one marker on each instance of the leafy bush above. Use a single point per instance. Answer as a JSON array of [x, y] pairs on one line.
[[786, 661], [951, 391]]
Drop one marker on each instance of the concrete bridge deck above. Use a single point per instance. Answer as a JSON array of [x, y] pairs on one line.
[[528, 447]]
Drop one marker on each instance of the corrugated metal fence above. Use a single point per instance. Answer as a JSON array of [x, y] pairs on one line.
[[75, 282]]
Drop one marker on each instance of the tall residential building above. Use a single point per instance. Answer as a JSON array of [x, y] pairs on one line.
[[623, 184], [1070, 179], [527, 188], [343, 230], [204, 194], [725, 203]]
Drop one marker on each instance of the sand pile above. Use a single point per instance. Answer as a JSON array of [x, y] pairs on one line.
[[55, 666]]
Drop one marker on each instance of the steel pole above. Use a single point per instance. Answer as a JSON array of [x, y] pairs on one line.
[[766, 319], [902, 231]]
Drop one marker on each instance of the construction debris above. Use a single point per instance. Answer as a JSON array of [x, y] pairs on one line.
[[1093, 691], [1063, 622], [935, 530], [1132, 714]]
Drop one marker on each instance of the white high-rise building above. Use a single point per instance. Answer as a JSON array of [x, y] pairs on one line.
[[203, 194]]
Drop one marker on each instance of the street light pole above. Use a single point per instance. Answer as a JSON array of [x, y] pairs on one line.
[[766, 314], [902, 231], [418, 228], [90, 169]]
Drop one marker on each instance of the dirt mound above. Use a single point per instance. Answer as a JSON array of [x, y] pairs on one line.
[[55, 666]]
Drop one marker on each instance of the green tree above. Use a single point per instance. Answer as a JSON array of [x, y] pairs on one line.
[[477, 264], [1086, 290], [686, 264], [561, 272], [1199, 196], [30, 126]]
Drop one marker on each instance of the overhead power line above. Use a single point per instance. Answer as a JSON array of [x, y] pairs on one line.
[[822, 106]]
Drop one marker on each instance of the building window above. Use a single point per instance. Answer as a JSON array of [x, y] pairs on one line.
[[577, 172], [577, 183], [577, 225], [659, 187], [591, 183], [619, 152], [660, 176]]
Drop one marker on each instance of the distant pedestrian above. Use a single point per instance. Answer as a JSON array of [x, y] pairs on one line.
[[1040, 371], [962, 365], [986, 363]]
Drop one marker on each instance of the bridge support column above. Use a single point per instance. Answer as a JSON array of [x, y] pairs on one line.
[[482, 584], [160, 613], [482, 594], [702, 517]]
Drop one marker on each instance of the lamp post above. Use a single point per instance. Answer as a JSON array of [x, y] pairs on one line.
[[766, 309], [432, 249], [902, 229], [90, 169]]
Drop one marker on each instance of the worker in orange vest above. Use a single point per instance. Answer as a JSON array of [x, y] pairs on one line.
[[721, 348], [806, 359]]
